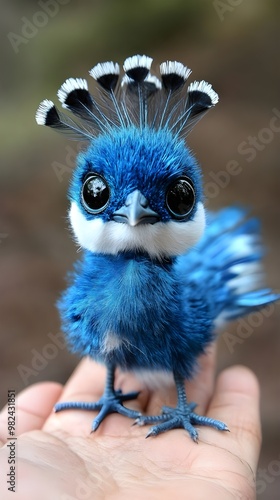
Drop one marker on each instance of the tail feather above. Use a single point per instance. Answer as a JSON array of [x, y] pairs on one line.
[[248, 303], [257, 298], [227, 262]]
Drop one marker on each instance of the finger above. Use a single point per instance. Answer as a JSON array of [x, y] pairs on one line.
[[87, 384], [33, 406], [236, 402]]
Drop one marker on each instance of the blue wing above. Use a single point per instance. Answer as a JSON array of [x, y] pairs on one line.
[[226, 264]]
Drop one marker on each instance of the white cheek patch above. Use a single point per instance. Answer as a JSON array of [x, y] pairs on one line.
[[158, 240]]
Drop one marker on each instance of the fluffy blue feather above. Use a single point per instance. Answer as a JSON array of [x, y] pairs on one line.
[[137, 303], [161, 315]]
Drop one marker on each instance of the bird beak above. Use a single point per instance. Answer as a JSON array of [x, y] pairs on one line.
[[136, 211]]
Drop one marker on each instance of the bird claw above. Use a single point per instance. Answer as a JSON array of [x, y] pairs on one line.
[[113, 404], [179, 418], [108, 403]]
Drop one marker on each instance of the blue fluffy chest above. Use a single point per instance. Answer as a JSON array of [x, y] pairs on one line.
[[129, 312]]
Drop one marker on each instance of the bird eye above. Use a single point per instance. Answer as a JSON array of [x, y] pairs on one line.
[[95, 194], [180, 197]]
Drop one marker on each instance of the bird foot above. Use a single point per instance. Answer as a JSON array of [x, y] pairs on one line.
[[110, 402], [181, 417]]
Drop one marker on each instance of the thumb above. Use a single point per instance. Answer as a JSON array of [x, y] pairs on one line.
[[236, 402]]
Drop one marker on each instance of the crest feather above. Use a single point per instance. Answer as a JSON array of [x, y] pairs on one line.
[[106, 74], [71, 86], [205, 88], [137, 67], [140, 99], [174, 74], [46, 113]]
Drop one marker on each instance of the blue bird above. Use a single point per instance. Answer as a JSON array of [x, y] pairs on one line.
[[158, 273]]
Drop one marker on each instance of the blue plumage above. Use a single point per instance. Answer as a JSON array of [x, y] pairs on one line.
[[158, 276], [157, 311], [128, 310]]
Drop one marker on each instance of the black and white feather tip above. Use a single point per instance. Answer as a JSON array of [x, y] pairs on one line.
[[106, 74], [137, 67], [174, 75], [153, 82], [47, 114], [203, 94], [74, 94]]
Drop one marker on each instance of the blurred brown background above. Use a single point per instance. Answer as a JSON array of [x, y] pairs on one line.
[[234, 45]]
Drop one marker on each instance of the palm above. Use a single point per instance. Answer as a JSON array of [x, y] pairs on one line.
[[58, 458]]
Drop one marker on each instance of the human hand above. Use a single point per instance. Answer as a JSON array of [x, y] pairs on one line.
[[58, 458]]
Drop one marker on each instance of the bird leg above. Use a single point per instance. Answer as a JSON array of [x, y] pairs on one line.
[[110, 402], [181, 417]]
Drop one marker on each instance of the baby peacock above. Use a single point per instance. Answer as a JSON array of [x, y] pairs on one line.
[[157, 274]]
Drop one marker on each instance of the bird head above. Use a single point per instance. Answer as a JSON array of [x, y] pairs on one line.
[[137, 187]]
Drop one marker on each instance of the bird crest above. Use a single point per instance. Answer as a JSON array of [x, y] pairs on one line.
[[137, 98]]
